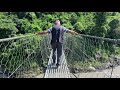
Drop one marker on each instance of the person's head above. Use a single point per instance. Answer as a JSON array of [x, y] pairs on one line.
[[57, 22]]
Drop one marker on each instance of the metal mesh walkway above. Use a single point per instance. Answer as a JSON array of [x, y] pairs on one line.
[[61, 72]]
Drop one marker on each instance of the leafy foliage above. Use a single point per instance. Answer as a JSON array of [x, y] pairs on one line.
[[93, 23], [104, 24]]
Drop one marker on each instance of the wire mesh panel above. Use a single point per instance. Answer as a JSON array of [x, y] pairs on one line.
[[86, 56], [23, 56], [92, 54]]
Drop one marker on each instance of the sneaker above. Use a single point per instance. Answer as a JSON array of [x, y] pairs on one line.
[[53, 65], [58, 64]]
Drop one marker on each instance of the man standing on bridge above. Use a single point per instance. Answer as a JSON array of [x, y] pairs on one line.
[[57, 32]]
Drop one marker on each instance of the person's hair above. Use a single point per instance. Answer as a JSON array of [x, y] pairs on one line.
[[56, 21]]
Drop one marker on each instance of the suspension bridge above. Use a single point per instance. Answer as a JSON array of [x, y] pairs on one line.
[[83, 56]]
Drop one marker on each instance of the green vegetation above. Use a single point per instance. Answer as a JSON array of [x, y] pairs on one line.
[[93, 23], [103, 24]]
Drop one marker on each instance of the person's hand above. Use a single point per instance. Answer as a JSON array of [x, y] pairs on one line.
[[75, 33]]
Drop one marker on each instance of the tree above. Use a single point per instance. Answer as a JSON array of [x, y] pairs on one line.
[[78, 27], [101, 26], [7, 28], [114, 29]]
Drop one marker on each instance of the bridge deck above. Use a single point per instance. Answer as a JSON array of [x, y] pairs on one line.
[[61, 72]]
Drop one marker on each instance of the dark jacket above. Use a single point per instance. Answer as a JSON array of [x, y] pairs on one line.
[[57, 33]]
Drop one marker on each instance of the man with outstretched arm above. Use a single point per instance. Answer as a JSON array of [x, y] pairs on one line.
[[57, 32]]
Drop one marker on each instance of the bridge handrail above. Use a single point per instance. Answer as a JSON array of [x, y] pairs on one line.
[[96, 37], [13, 38], [102, 38]]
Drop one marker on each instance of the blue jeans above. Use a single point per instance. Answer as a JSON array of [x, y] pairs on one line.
[[57, 46]]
